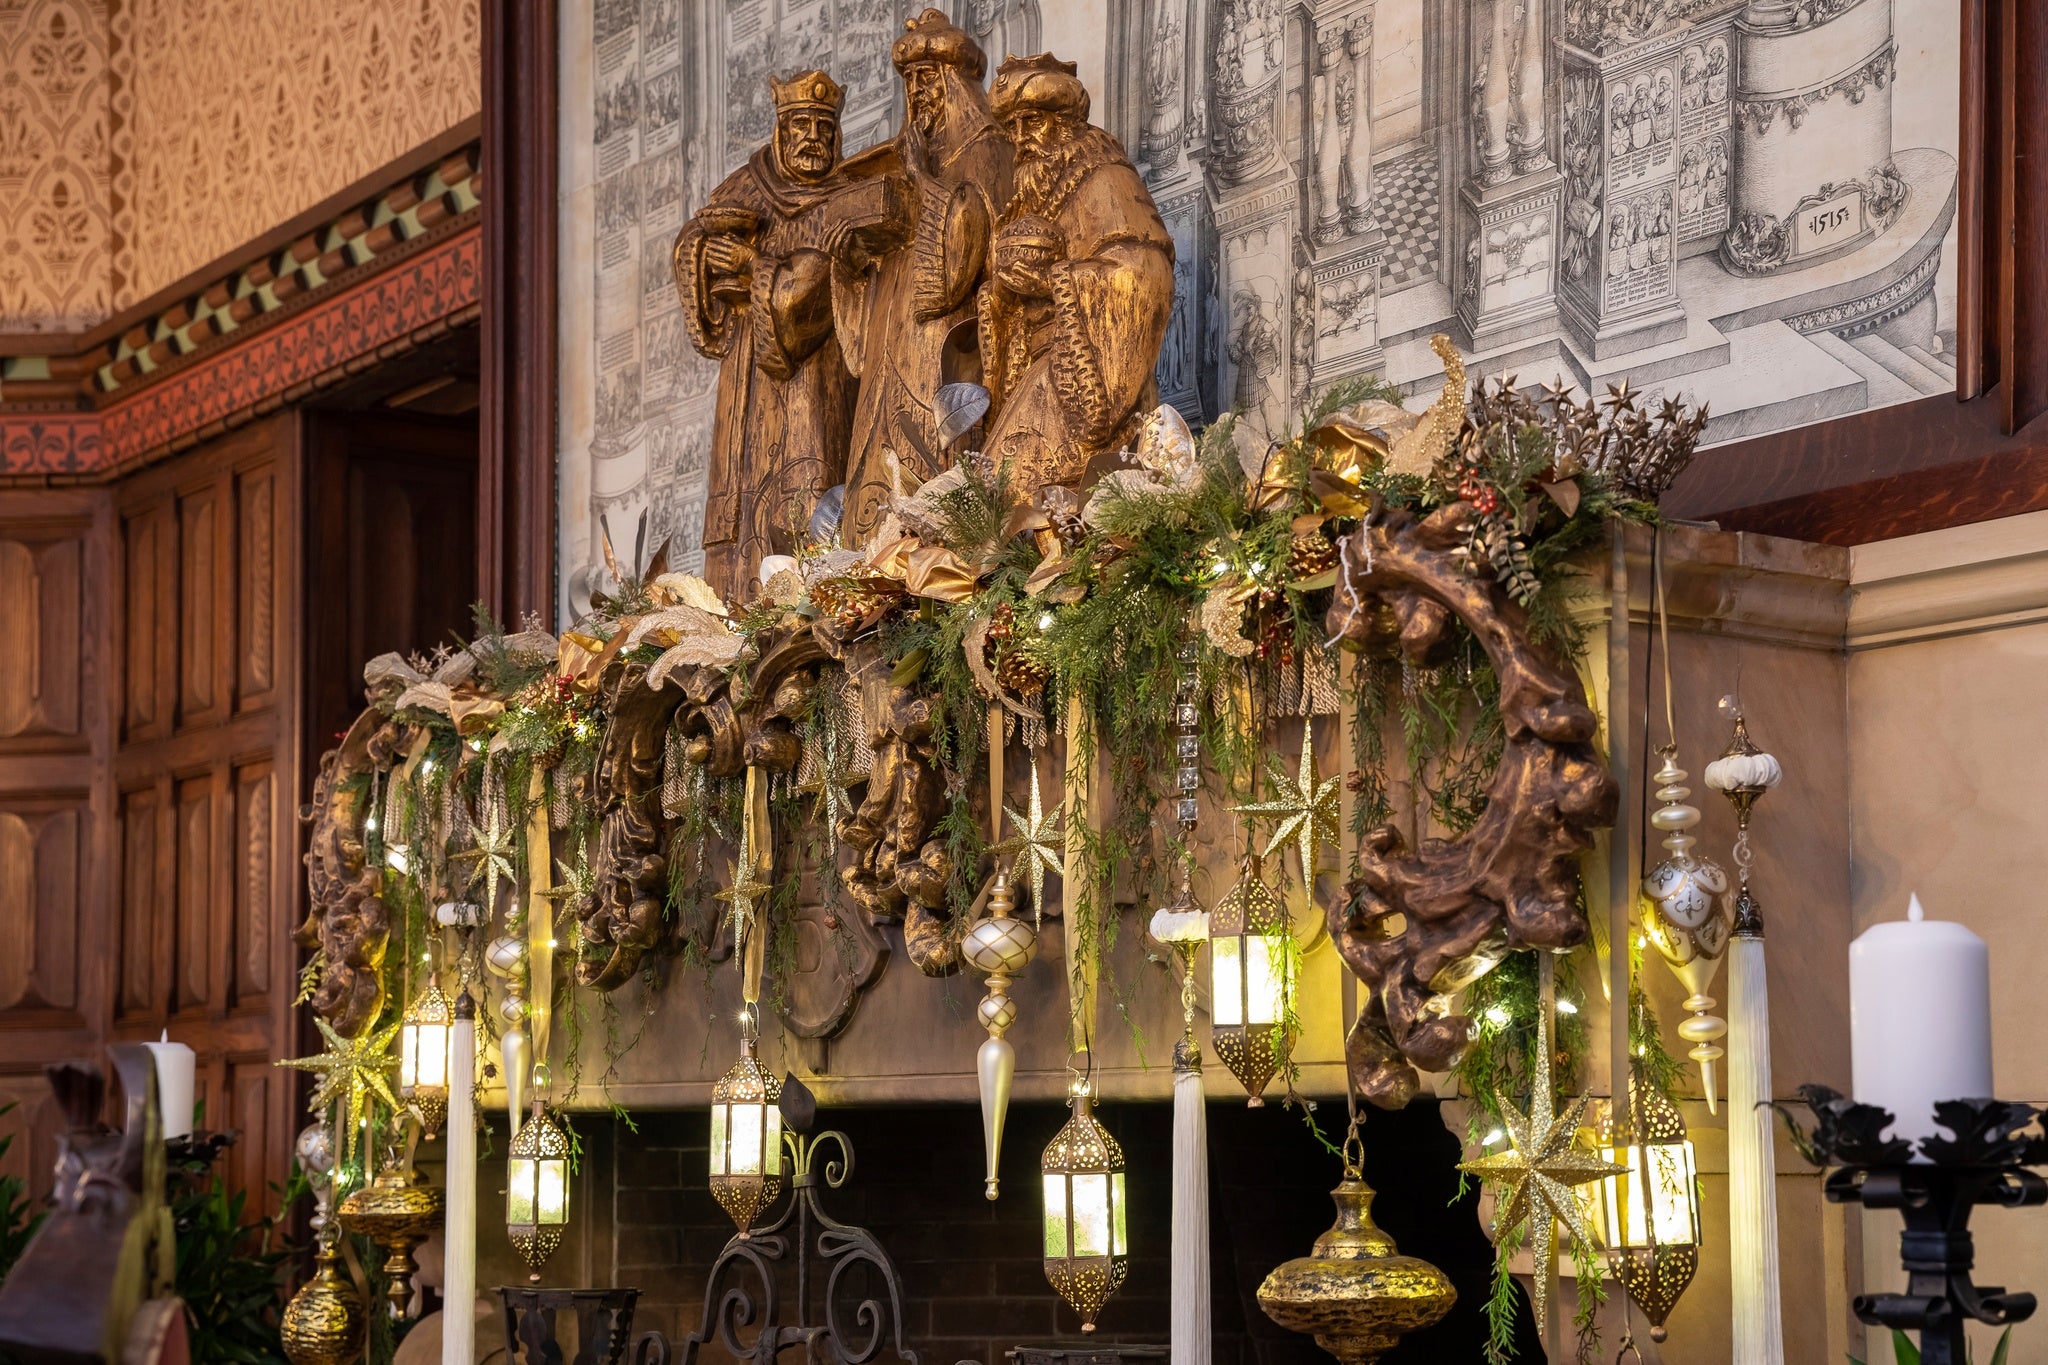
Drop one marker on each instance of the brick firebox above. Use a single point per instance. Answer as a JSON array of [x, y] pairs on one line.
[[973, 1283]]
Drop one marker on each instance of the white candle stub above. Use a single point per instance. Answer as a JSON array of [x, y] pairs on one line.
[[176, 1066], [1919, 1018]]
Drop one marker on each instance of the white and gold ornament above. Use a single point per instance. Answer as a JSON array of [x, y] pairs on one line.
[[1690, 917]]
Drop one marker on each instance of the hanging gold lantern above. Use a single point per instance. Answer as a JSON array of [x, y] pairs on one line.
[[1250, 980], [537, 1188], [1649, 1216], [423, 1056], [746, 1138], [1087, 1249]]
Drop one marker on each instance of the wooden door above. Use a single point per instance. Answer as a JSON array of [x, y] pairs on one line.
[[55, 816], [207, 780]]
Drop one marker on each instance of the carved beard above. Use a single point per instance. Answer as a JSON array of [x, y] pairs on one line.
[[1045, 180]]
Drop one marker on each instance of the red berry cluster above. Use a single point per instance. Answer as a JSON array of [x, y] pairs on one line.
[[1483, 496]]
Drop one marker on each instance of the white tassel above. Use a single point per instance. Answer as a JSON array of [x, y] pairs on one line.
[[1191, 1302], [1759, 1337], [458, 1285]]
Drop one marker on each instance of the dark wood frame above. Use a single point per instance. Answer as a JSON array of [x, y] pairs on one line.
[[516, 483], [1940, 461]]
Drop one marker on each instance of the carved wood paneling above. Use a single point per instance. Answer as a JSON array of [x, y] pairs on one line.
[[254, 868], [199, 606], [256, 587], [149, 580], [137, 900], [41, 624], [194, 882], [249, 1095], [40, 859]]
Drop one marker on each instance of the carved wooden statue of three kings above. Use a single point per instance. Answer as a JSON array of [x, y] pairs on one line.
[[999, 238]]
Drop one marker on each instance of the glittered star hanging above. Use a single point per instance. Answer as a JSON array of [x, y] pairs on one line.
[[1305, 811], [823, 774], [1038, 844], [493, 858], [578, 880], [351, 1070], [746, 889], [1537, 1173]]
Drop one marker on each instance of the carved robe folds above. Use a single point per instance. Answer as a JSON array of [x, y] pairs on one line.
[[897, 314], [1071, 374], [785, 398]]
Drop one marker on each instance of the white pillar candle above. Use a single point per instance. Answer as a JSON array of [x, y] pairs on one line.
[[1919, 1018], [176, 1069]]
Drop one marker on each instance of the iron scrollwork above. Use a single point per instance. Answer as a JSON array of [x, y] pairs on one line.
[[745, 1292]]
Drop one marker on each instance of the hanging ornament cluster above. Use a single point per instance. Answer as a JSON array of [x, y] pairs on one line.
[[1690, 917]]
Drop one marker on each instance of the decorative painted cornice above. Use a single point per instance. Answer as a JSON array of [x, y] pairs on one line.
[[379, 279]]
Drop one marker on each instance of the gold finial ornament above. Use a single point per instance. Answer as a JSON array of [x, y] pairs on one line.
[[396, 1211], [323, 1323], [1087, 1247], [1001, 946], [1354, 1292]]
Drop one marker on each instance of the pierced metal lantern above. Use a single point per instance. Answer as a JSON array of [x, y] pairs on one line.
[[1087, 1248], [1649, 1217], [746, 1139], [423, 1056], [537, 1189], [1250, 980]]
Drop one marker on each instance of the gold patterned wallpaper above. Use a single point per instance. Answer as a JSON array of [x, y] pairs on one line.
[[54, 221], [143, 139]]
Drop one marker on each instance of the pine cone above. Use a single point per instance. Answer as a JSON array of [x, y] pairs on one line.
[[1311, 553]]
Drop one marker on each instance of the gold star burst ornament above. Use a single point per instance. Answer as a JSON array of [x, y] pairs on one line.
[[1537, 1172], [1304, 810], [1038, 844], [351, 1070]]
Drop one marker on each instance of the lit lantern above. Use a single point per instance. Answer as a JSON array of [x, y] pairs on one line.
[[537, 1188], [746, 1139], [1649, 1216], [1250, 956], [423, 1056], [1087, 1250]]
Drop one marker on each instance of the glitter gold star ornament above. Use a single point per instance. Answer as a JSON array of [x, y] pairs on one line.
[[1038, 845], [493, 858], [747, 889], [1537, 1172], [351, 1070], [1304, 810]]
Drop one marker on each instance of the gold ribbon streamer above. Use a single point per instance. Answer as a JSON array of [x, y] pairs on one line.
[[995, 772], [761, 849], [1083, 966], [540, 918]]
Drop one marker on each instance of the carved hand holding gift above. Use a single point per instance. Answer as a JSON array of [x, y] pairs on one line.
[[1420, 924]]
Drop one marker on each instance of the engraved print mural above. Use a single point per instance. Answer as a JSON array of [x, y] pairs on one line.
[[1745, 203]]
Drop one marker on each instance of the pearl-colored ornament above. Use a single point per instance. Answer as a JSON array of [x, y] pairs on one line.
[[1692, 918], [505, 955]]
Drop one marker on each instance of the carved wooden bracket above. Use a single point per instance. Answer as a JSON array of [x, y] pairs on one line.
[[1418, 925], [345, 917]]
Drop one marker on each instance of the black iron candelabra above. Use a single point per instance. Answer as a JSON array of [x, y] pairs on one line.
[[1984, 1161]]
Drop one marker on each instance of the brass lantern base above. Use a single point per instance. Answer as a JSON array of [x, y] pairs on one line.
[[1354, 1293], [323, 1324], [745, 1197], [396, 1213]]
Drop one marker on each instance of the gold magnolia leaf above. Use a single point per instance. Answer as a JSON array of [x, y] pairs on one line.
[[1566, 494], [1418, 451], [696, 651], [675, 623], [688, 590]]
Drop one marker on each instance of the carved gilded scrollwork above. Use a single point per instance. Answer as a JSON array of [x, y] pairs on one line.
[[346, 920], [1419, 924]]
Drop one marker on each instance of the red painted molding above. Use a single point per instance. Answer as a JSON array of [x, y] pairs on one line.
[[424, 293]]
